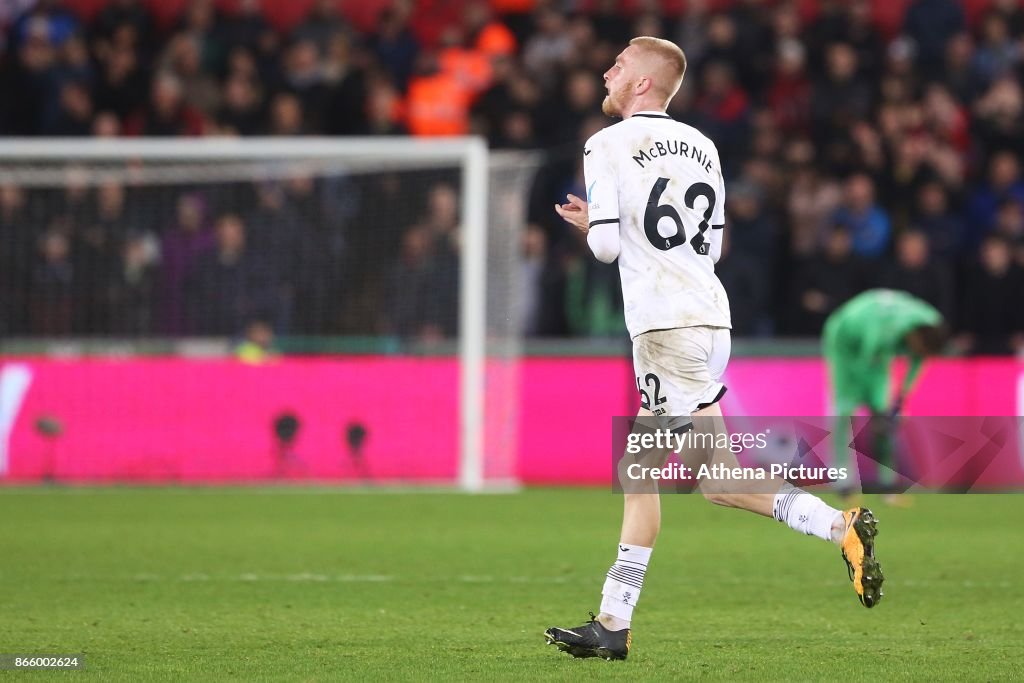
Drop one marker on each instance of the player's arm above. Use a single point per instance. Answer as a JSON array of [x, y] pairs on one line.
[[604, 242], [908, 383], [598, 217], [602, 200], [916, 360], [603, 238]]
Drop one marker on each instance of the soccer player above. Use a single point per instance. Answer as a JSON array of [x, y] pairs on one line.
[[860, 340], [655, 201]]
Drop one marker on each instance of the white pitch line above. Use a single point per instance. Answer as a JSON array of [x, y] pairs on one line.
[[342, 488], [312, 577], [315, 577]]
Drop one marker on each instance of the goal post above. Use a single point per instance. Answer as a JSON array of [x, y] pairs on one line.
[[492, 189], [473, 317]]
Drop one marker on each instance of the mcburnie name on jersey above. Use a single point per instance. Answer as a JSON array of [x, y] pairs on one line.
[[661, 148]]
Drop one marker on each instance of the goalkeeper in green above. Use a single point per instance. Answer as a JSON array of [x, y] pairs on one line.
[[861, 338]]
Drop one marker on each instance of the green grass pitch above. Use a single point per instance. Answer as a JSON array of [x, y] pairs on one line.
[[319, 585]]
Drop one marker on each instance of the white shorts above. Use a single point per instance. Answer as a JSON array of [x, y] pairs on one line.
[[678, 371]]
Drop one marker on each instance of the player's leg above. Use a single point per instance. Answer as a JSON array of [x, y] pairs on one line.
[[641, 508], [878, 390], [692, 364], [884, 429], [681, 374], [853, 530], [771, 497], [672, 375], [848, 394], [661, 407], [641, 523], [850, 391], [608, 634], [844, 455], [753, 495]]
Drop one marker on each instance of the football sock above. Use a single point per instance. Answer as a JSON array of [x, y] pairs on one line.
[[807, 514], [623, 583]]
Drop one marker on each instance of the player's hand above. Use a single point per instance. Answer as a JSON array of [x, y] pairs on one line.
[[575, 213], [896, 408]]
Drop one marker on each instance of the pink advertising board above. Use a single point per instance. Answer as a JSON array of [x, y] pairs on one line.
[[560, 393], [191, 420], [209, 421]]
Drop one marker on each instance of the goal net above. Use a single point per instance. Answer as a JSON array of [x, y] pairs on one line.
[[229, 310]]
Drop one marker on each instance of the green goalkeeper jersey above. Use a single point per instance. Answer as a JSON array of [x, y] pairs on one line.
[[863, 335]]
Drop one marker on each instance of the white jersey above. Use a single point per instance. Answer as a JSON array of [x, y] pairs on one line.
[[661, 181]]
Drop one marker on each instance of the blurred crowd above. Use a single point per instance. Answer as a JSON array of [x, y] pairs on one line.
[[864, 144], [338, 254]]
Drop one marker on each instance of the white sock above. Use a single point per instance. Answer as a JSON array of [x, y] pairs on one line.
[[624, 582], [805, 513]]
